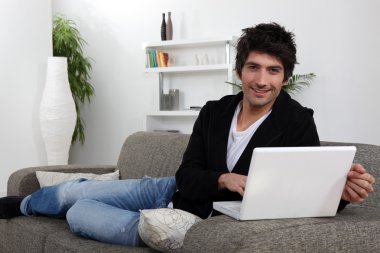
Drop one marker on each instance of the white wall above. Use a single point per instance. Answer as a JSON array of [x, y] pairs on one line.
[[338, 40], [25, 28]]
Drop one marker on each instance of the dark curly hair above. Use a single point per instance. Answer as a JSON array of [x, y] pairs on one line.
[[271, 39]]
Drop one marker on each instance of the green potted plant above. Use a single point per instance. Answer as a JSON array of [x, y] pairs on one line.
[[295, 82], [68, 42]]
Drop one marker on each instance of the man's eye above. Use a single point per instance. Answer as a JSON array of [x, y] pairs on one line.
[[274, 70]]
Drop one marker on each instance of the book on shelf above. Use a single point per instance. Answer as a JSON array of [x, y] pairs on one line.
[[161, 59], [157, 59], [166, 59], [150, 62], [154, 55], [147, 61]]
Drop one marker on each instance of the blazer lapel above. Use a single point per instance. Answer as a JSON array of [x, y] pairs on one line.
[[221, 132]]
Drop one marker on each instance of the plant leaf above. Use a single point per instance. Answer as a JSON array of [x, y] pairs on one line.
[[234, 84], [297, 82], [68, 42]]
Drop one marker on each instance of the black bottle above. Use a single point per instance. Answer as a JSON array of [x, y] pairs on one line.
[[163, 28]]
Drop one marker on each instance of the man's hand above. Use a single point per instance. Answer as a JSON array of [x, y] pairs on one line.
[[359, 184], [233, 182]]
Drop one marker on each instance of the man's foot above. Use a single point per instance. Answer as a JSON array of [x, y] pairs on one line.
[[10, 207]]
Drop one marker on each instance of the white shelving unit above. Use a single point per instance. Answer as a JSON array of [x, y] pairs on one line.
[[185, 72]]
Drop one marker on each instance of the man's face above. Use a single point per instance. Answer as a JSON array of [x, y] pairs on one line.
[[262, 77]]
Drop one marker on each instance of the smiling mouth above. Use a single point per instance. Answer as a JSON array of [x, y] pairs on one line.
[[260, 91]]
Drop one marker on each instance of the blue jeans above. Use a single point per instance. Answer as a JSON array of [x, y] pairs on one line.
[[106, 211]]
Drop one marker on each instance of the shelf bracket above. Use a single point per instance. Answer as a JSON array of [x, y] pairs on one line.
[[161, 90], [227, 53], [228, 56]]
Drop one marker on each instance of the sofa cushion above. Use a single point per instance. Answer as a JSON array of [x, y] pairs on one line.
[[161, 154], [28, 234], [24, 182], [64, 241], [43, 234], [164, 229], [355, 229], [48, 178]]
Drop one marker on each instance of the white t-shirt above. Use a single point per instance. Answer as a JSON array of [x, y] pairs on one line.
[[237, 141]]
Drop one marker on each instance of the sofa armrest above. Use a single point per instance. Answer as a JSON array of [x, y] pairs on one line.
[[24, 181]]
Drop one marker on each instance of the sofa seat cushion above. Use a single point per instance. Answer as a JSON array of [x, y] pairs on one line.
[[352, 230], [64, 241], [43, 234], [28, 234]]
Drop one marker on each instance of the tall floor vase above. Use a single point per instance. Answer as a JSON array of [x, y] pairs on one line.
[[57, 112]]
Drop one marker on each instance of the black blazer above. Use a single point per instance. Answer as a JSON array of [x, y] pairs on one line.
[[204, 160]]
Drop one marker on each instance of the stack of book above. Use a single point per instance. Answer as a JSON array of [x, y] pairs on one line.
[[156, 59]]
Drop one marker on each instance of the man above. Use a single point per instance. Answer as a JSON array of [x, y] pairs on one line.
[[217, 158]]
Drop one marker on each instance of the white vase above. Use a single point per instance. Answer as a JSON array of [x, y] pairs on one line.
[[57, 112]]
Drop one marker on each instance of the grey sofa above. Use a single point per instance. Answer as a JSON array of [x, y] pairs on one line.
[[355, 229]]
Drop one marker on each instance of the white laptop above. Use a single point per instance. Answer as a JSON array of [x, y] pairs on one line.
[[292, 183]]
